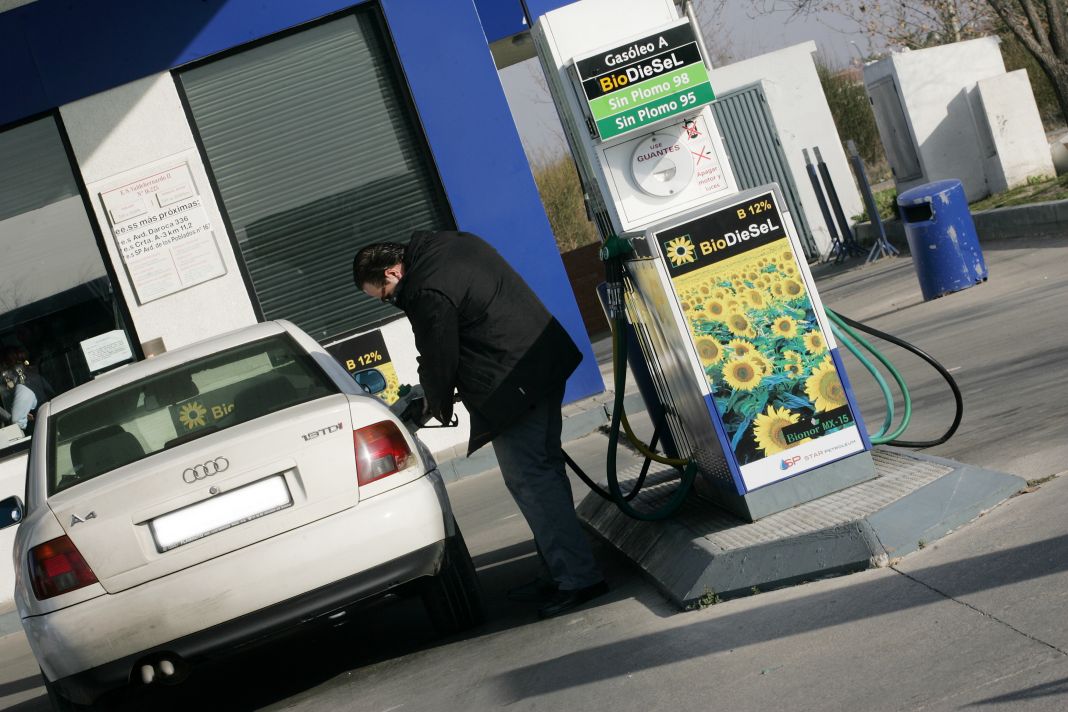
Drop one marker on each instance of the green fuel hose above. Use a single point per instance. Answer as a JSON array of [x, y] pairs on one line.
[[611, 254], [846, 329]]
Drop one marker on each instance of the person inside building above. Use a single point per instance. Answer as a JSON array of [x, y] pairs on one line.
[[19, 400], [19, 359], [480, 330]]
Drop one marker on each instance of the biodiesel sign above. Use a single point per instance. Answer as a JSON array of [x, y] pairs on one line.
[[756, 330], [644, 81]]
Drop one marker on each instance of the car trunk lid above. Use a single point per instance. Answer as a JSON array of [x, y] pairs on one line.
[[211, 496]]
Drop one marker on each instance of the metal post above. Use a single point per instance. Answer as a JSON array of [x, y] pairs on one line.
[[848, 241], [836, 251], [882, 247], [692, 16]]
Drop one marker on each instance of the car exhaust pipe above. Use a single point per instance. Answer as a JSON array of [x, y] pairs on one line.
[[166, 669]]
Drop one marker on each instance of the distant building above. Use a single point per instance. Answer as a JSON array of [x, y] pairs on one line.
[[953, 112]]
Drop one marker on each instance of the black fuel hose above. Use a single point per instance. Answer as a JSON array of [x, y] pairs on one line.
[[957, 397], [638, 484]]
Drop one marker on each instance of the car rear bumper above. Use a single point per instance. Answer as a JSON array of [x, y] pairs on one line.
[[253, 592], [261, 626]]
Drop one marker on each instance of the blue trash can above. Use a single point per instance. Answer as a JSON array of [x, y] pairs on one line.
[[942, 238]]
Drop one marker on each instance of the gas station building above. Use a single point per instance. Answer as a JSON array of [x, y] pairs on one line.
[[173, 170]]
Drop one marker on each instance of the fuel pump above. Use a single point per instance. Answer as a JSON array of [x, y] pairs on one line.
[[711, 279]]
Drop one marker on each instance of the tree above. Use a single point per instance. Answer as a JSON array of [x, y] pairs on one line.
[[1041, 26], [914, 24], [851, 111]]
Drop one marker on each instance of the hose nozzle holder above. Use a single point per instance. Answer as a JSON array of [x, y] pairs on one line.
[[616, 247]]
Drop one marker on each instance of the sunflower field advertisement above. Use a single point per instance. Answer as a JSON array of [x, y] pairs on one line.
[[755, 330]]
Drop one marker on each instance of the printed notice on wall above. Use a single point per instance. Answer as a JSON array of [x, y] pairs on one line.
[[162, 230], [106, 349]]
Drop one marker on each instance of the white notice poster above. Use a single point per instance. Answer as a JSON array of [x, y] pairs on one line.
[[106, 349], [163, 232]]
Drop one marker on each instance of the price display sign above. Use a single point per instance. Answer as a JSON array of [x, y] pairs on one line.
[[644, 81]]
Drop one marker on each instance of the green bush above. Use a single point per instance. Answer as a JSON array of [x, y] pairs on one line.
[[561, 194], [853, 117], [885, 202]]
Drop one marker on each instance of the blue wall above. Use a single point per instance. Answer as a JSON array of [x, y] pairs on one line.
[[55, 51]]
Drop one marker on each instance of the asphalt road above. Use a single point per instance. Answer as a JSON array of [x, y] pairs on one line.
[[1004, 341], [974, 622]]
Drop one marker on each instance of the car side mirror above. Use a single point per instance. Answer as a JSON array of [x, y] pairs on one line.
[[11, 511], [370, 380]]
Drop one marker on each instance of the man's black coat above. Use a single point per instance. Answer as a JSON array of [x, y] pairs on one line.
[[479, 330]]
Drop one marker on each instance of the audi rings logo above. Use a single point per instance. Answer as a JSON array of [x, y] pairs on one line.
[[203, 472]]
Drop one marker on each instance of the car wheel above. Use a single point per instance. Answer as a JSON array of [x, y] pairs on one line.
[[453, 598], [60, 703]]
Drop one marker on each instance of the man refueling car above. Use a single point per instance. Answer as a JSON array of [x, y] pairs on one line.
[[481, 331]]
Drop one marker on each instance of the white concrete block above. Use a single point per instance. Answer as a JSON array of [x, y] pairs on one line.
[[1011, 116]]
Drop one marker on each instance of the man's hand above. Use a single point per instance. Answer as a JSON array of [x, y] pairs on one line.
[[442, 412]]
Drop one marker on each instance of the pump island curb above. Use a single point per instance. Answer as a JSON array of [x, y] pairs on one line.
[[913, 501]]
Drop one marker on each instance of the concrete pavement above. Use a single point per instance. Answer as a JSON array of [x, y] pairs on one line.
[[974, 622]]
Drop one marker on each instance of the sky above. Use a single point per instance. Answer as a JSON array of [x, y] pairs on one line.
[[737, 34]]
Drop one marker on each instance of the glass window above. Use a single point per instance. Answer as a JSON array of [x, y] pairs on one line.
[[178, 406], [316, 151], [54, 290]]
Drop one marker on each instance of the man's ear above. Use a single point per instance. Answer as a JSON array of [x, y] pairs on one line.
[[396, 271]]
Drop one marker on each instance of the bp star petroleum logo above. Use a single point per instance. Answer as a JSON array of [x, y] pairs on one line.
[[680, 251], [192, 415]]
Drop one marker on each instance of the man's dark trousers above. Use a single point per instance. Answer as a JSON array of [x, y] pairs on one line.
[[532, 465]]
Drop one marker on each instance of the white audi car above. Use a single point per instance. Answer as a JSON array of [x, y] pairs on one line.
[[218, 495]]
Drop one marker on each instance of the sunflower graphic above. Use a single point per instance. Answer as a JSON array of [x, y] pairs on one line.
[[739, 323], [768, 429], [785, 326], [755, 298], [793, 366], [681, 251], [814, 342], [192, 415], [742, 375], [709, 350], [824, 388], [715, 308], [739, 348], [762, 362]]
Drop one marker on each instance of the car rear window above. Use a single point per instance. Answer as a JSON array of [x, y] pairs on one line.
[[178, 406]]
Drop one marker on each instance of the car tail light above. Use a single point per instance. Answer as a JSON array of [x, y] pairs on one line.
[[58, 567], [381, 450]]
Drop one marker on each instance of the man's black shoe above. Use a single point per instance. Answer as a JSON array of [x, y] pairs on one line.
[[539, 590], [565, 600]]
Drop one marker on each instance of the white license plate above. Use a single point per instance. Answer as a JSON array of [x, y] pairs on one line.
[[219, 513]]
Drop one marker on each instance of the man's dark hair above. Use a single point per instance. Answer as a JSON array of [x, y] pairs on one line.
[[371, 262]]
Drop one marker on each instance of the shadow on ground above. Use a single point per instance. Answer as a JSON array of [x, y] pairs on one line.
[[867, 599]]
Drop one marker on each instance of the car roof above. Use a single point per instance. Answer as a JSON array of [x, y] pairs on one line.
[[157, 364]]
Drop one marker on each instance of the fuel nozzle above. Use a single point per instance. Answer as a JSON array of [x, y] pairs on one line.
[[411, 408], [614, 250]]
